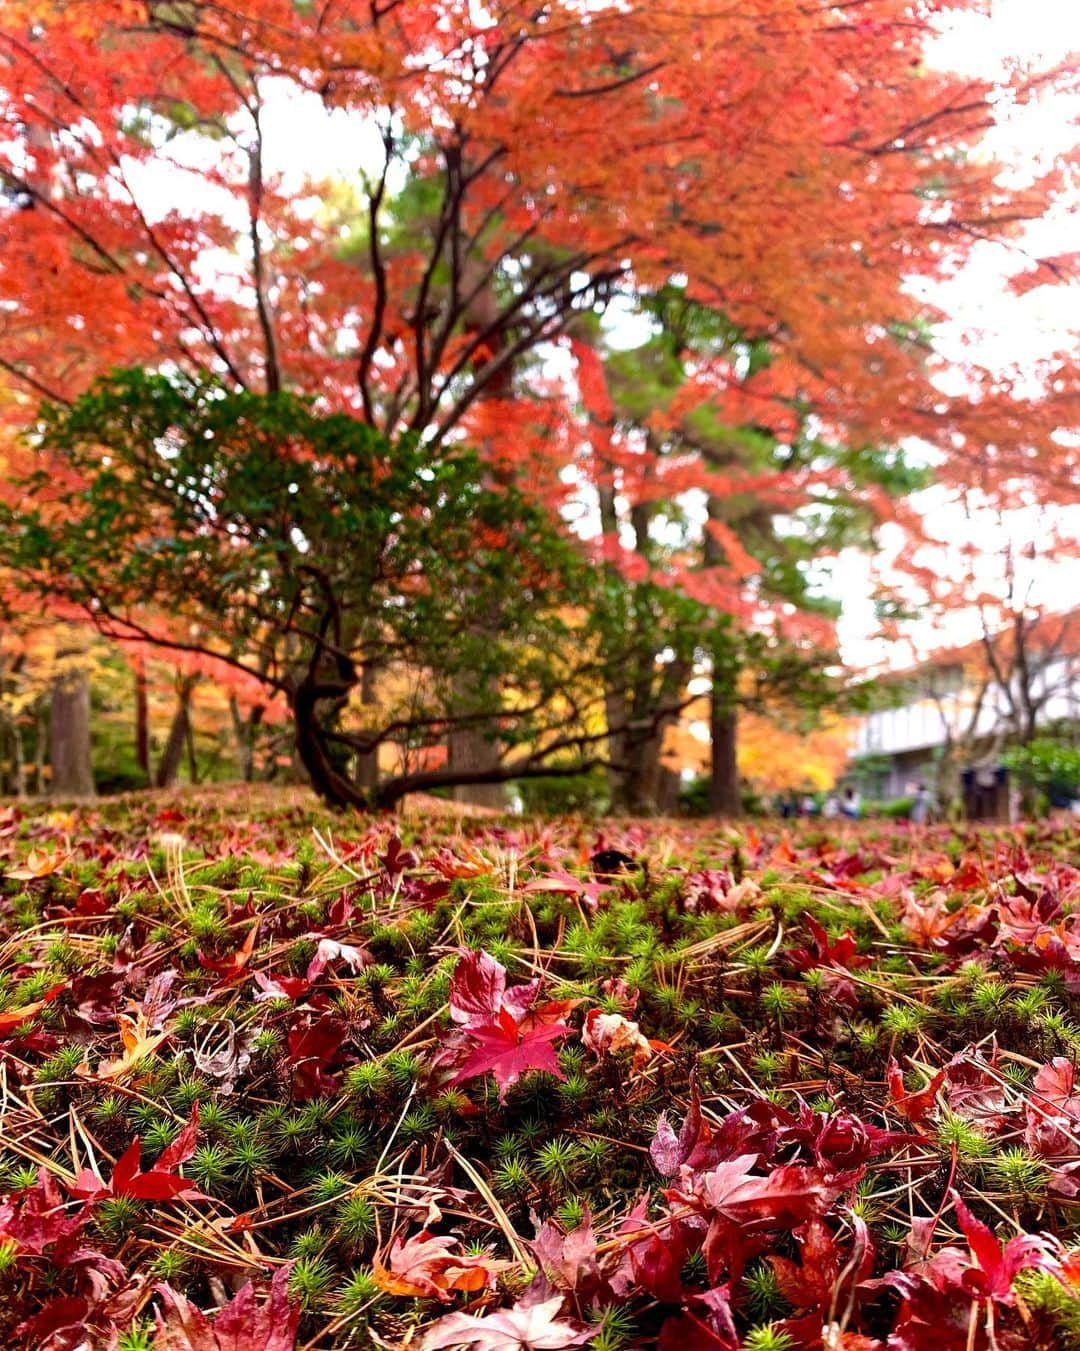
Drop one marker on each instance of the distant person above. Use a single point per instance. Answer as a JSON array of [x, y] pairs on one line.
[[809, 805], [851, 806], [923, 807], [831, 809]]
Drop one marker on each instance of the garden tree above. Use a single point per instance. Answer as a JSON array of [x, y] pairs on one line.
[[780, 748], [295, 547], [780, 752], [564, 150], [27, 675], [142, 714], [46, 667], [69, 720], [165, 692], [697, 412], [43, 642]]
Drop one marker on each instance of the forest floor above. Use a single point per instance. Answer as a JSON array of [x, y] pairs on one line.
[[273, 1078]]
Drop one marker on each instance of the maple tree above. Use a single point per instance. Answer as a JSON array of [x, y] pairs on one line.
[[725, 598]]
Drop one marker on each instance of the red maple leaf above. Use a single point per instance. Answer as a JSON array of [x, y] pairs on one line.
[[433, 1265], [531, 1322], [159, 1183], [827, 953], [231, 967], [507, 1051], [479, 993], [14, 1018], [914, 1107], [37, 1218], [995, 1265], [242, 1325], [313, 1049], [505, 1032]]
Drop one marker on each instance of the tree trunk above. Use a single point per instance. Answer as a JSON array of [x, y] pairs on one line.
[[41, 740], [618, 751], [171, 756], [367, 762], [192, 753], [72, 770], [468, 749], [725, 798], [142, 718], [310, 753], [471, 751], [667, 791], [19, 756], [643, 788], [245, 729]]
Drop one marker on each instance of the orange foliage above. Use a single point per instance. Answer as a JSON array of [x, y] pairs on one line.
[[776, 154], [775, 758], [773, 755]]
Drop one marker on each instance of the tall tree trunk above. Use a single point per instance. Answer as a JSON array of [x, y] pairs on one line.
[[192, 753], [471, 750], [468, 749], [311, 756], [647, 786], [41, 741], [725, 798], [72, 770], [367, 762], [169, 764], [245, 730], [19, 756], [638, 790], [667, 791], [142, 718], [617, 747]]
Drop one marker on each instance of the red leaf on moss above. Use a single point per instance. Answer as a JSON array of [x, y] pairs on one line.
[[229, 968], [527, 1325], [159, 1183], [995, 1264], [433, 1265], [313, 1050], [16, 1017], [37, 1218], [783, 1199], [242, 1325], [913, 1107], [501, 1048], [478, 990]]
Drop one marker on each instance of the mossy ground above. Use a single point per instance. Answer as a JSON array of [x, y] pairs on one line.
[[711, 928]]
